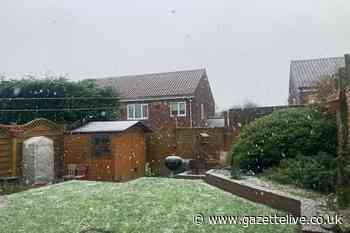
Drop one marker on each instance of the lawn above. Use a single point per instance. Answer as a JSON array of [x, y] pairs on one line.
[[144, 205]]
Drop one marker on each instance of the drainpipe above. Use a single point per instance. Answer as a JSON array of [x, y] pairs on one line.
[[191, 113], [228, 118]]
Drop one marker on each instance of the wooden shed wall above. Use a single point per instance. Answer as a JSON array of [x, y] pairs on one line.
[[5, 156], [130, 155], [78, 150], [127, 153]]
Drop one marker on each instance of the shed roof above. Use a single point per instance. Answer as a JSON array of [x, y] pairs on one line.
[[169, 84], [109, 126]]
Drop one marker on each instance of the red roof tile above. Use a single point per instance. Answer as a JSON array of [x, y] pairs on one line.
[[170, 84]]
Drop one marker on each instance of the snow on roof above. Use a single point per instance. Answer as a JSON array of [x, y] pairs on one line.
[[108, 126]]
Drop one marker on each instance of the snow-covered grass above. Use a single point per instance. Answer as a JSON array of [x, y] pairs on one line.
[[143, 205]]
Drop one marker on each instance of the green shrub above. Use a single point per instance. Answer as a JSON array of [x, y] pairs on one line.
[[151, 172], [236, 173], [284, 134], [12, 187], [310, 172]]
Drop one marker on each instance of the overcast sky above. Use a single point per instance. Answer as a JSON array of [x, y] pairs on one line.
[[245, 45]]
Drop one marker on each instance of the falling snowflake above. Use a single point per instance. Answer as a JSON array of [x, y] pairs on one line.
[[16, 91]]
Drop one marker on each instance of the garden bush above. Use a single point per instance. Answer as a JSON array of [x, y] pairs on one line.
[[310, 172], [12, 187], [284, 134]]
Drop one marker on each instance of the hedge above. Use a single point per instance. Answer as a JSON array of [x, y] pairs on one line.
[[284, 134]]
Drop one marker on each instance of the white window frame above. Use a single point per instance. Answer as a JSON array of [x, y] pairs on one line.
[[133, 106], [178, 109]]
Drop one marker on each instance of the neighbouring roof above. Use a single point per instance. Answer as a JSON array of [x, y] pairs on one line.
[[304, 73], [109, 126], [170, 84]]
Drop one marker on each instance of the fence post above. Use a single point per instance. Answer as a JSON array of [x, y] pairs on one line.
[[14, 156], [343, 184]]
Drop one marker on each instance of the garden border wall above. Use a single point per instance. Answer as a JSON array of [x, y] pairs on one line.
[[254, 194]]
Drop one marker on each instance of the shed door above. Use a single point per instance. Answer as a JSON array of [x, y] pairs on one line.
[[137, 156], [101, 169], [101, 157]]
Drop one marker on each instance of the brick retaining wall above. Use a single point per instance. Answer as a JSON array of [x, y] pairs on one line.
[[254, 194]]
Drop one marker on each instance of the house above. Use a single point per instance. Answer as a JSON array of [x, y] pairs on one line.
[[304, 75], [164, 100], [111, 150]]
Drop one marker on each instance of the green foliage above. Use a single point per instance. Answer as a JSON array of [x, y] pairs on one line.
[[343, 197], [284, 134], [343, 187], [310, 172], [151, 172], [55, 88], [12, 187], [236, 173]]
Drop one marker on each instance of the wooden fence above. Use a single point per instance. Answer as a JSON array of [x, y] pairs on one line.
[[182, 141], [219, 141], [12, 137]]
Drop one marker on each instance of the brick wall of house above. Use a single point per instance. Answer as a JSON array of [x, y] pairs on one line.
[[203, 95], [159, 114], [159, 111], [162, 141]]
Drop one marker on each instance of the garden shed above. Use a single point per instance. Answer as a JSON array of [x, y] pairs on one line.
[[11, 145], [110, 150]]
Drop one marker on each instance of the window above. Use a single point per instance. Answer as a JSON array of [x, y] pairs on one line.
[[202, 111], [137, 111], [173, 109], [101, 144], [178, 109]]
